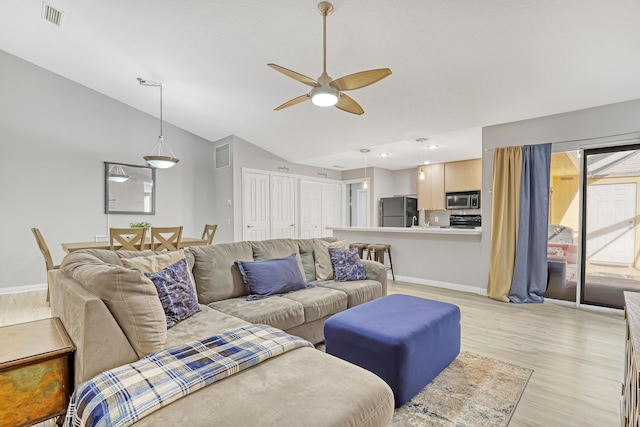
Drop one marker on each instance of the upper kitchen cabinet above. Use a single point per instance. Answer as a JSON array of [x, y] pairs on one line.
[[431, 187], [465, 175]]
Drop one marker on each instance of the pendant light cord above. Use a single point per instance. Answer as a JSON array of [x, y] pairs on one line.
[[160, 109]]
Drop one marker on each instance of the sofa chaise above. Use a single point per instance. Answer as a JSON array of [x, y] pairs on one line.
[[112, 319]]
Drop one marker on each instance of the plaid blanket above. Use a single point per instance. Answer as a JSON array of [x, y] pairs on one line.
[[123, 395]]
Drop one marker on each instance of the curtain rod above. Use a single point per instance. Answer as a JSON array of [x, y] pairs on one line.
[[595, 138]]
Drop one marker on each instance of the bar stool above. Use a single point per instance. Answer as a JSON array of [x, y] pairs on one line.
[[378, 251], [361, 247]]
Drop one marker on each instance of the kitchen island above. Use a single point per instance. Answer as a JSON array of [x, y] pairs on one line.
[[445, 257]]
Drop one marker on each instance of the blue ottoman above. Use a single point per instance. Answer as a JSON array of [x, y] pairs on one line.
[[405, 340]]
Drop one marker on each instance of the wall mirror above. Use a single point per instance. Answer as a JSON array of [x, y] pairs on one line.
[[129, 189]]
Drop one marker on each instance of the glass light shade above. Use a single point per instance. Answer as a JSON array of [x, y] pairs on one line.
[[158, 159], [117, 174], [161, 162], [118, 178], [421, 175], [365, 184], [324, 96]]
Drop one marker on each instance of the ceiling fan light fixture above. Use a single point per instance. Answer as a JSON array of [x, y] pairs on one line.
[[324, 96], [327, 92]]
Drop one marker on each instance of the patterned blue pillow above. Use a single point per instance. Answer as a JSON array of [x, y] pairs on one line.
[[346, 265], [270, 277], [176, 293]]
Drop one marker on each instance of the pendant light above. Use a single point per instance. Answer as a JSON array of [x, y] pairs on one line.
[[365, 182], [117, 174], [161, 156], [421, 170]]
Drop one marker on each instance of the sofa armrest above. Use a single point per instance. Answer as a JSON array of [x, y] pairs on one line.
[[100, 343], [376, 271]]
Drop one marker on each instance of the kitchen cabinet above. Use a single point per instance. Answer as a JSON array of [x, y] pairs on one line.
[[465, 175], [431, 188]]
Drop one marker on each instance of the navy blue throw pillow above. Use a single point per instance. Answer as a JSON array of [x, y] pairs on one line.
[[176, 292], [346, 265], [270, 277]]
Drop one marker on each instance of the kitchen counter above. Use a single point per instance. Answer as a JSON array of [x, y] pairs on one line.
[[445, 257], [414, 230]]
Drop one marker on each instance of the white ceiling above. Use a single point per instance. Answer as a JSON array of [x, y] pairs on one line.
[[457, 65]]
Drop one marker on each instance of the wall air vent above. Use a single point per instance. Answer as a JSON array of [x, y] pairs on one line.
[[223, 156], [52, 15]]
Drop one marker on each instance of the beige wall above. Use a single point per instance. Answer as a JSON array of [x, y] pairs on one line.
[[565, 201]]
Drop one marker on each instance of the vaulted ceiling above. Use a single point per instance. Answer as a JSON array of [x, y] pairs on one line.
[[457, 65]]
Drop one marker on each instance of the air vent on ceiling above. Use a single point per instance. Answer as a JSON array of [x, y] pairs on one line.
[[223, 156], [52, 15]]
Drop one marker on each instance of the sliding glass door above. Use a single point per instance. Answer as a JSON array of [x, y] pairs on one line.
[[611, 236]]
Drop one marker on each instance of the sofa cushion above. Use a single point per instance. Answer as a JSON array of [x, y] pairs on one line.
[[176, 292], [300, 387], [346, 265], [277, 248], [324, 269], [217, 277], [319, 302], [358, 292], [201, 325], [281, 313], [152, 262], [116, 257], [305, 247], [271, 277], [130, 296]]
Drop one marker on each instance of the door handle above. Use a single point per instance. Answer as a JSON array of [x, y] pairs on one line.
[[292, 225], [250, 226]]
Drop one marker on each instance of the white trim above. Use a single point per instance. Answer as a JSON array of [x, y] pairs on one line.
[[483, 292], [445, 285], [25, 288]]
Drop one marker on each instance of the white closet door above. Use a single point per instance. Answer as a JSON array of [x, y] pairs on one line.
[[310, 209], [331, 208], [256, 210], [283, 207]]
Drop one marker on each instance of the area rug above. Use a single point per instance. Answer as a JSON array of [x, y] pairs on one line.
[[473, 391]]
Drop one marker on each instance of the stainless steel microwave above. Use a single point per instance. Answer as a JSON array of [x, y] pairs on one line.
[[463, 200]]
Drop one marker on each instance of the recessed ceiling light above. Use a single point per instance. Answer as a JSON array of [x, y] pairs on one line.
[[432, 146], [426, 162], [383, 155], [338, 167]]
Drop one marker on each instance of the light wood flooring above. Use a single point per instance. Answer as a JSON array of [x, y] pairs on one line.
[[577, 354]]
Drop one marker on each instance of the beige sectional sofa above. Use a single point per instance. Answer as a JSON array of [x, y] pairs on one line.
[[113, 320]]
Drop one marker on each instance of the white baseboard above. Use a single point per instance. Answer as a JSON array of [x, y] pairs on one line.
[[25, 288], [445, 285], [483, 292]]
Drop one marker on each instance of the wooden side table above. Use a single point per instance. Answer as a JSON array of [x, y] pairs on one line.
[[35, 381]]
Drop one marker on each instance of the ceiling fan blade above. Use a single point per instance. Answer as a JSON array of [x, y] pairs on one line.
[[346, 103], [361, 79], [294, 101], [297, 76]]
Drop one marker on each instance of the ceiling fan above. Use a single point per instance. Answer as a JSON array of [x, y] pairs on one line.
[[325, 91]]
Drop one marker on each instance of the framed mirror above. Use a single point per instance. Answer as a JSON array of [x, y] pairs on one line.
[[129, 189]]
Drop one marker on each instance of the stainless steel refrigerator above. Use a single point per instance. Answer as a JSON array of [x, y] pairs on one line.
[[398, 211]]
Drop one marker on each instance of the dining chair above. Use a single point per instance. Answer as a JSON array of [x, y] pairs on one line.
[[131, 239], [48, 262], [166, 238], [209, 232]]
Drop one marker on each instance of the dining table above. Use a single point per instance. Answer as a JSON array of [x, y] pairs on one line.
[[76, 246]]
